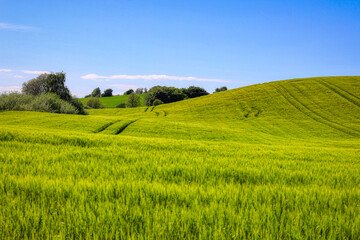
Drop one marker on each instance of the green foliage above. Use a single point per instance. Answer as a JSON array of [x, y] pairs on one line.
[[51, 102], [139, 91], [78, 105], [55, 83], [96, 92], [107, 93], [221, 89], [45, 102], [194, 91], [121, 105], [15, 101], [278, 160], [165, 94], [35, 86], [128, 92], [48, 83], [157, 102], [93, 102], [133, 101]]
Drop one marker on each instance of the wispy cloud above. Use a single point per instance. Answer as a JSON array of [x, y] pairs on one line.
[[5, 70], [18, 76], [10, 89], [152, 78], [34, 72], [14, 27], [124, 86]]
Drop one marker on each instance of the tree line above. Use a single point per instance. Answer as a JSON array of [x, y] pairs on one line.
[[48, 93], [154, 96]]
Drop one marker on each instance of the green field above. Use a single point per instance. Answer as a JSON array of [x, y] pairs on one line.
[[112, 102], [278, 160]]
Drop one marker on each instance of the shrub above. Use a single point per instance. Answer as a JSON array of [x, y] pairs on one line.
[[133, 100], [220, 89], [121, 105], [15, 101], [157, 102], [93, 102], [51, 102], [78, 105]]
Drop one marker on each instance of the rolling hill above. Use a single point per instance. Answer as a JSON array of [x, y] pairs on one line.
[[273, 160]]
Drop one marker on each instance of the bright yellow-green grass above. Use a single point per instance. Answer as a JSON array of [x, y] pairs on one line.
[[279, 160], [112, 102]]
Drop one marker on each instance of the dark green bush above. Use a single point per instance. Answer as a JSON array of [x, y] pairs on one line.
[[157, 102], [78, 105], [121, 105]]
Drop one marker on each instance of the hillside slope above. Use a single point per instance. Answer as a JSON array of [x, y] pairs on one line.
[[301, 108], [315, 108], [278, 160]]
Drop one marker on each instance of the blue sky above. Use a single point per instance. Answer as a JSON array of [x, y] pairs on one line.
[[130, 44]]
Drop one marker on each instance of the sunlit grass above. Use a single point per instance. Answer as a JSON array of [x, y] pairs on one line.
[[278, 160]]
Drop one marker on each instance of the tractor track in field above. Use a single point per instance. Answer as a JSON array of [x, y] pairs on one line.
[[342, 93], [313, 115], [124, 126], [102, 128]]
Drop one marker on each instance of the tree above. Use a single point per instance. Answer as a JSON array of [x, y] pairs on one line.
[[193, 91], [221, 89], [133, 100], [165, 94], [35, 86], [139, 91], [128, 92], [96, 92], [107, 93], [56, 84], [93, 102], [48, 83]]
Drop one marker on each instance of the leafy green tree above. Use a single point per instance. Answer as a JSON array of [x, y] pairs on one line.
[[55, 83], [165, 94], [93, 102], [96, 92], [35, 86], [128, 92], [139, 91], [194, 91], [107, 93], [133, 100], [48, 83]]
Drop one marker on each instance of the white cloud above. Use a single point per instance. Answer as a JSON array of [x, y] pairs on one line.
[[8, 26], [18, 76], [5, 70], [10, 89], [34, 72], [124, 86], [151, 77]]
